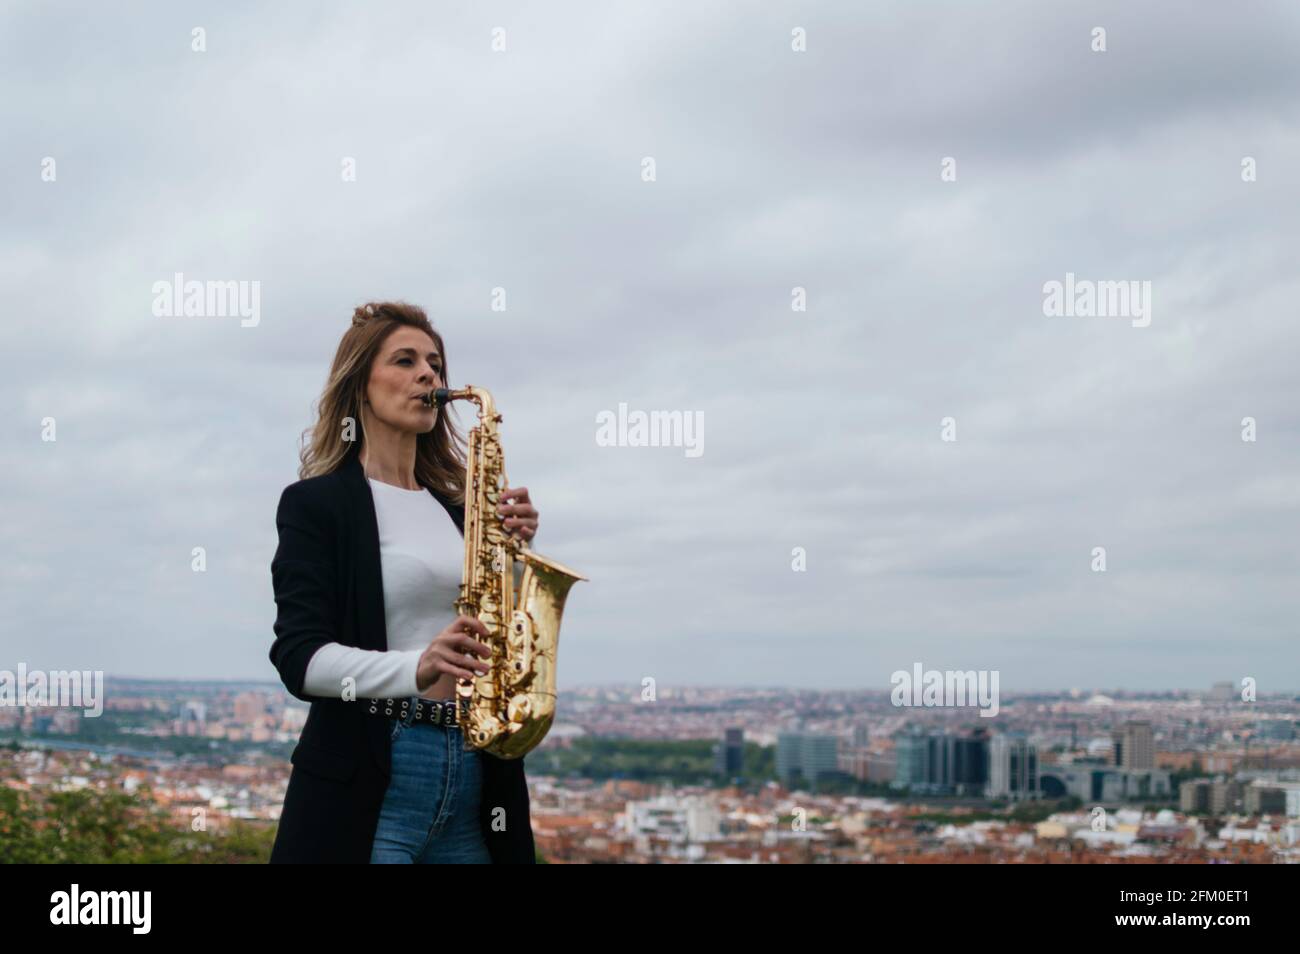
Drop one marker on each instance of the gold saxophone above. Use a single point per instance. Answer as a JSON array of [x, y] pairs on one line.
[[508, 710]]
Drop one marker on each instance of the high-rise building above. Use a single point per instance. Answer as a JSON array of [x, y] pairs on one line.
[[861, 735], [1013, 767], [970, 763], [1194, 795], [730, 760], [1223, 692], [1134, 746], [911, 760], [807, 755], [1225, 796], [1217, 796], [941, 763]]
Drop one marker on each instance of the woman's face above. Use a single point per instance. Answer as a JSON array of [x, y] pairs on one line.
[[408, 365]]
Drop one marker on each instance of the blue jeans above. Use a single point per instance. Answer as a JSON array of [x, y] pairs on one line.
[[430, 813]]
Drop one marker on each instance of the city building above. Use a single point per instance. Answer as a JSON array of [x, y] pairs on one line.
[[941, 763], [673, 819], [1012, 768], [1216, 796], [806, 757], [1134, 746], [1268, 797], [250, 707], [1223, 692], [729, 754], [1100, 784]]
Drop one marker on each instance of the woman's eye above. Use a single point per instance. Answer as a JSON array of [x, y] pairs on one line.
[[437, 369]]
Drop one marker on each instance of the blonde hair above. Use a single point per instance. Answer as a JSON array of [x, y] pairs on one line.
[[439, 454]]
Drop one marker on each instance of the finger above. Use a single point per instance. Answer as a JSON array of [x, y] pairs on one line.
[[464, 640], [460, 631], [472, 623], [472, 645], [457, 661], [517, 510], [515, 494]]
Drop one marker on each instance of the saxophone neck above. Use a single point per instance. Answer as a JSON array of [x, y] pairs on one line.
[[480, 396]]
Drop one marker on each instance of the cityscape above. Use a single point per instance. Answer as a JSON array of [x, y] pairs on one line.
[[770, 775]]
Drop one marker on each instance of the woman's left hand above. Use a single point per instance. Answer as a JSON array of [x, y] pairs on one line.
[[520, 516]]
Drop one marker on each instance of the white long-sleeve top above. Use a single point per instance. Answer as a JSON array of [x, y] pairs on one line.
[[422, 553]]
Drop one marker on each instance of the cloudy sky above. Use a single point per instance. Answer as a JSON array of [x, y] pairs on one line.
[[774, 169]]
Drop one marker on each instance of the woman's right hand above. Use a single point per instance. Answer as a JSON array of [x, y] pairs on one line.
[[448, 654]]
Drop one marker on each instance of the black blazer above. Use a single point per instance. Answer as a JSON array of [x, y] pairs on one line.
[[329, 588]]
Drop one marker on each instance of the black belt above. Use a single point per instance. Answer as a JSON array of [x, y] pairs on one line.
[[421, 711]]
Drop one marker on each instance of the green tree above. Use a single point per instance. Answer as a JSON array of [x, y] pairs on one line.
[[90, 826]]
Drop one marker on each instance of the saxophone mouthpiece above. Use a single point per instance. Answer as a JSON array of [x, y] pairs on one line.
[[441, 396]]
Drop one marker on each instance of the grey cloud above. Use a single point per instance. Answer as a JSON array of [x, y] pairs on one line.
[[821, 428]]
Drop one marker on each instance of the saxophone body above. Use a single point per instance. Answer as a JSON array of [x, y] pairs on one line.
[[517, 594]]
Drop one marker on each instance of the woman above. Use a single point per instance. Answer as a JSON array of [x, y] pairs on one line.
[[368, 565]]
